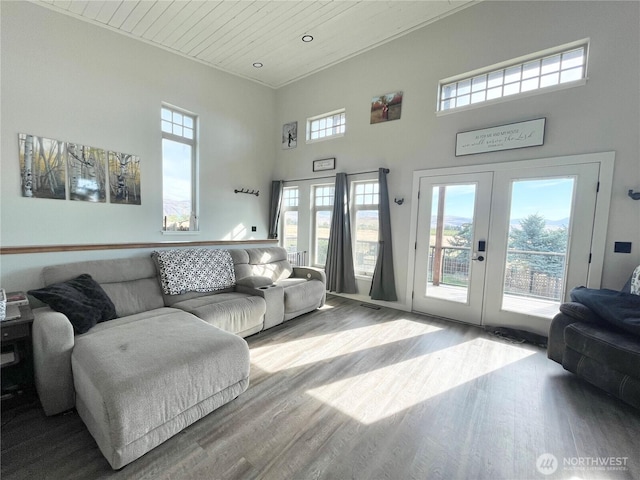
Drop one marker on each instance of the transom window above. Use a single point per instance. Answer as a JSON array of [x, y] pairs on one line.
[[178, 123], [328, 125], [562, 66]]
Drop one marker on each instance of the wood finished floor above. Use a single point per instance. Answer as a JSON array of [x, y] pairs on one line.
[[352, 392]]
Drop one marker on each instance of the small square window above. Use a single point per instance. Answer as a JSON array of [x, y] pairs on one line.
[[324, 126]]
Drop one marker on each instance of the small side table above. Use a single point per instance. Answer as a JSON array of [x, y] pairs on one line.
[[17, 359]]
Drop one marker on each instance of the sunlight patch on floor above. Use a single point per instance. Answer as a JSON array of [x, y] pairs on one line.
[[322, 348], [376, 395]]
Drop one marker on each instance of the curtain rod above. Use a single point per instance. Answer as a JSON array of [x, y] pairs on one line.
[[386, 170]]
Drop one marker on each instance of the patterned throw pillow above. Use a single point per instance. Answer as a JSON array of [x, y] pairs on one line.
[[635, 281], [194, 270], [81, 299]]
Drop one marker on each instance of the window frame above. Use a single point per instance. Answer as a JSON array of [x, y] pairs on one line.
[[318, 118], [194, 226], [314, 227], [519, 61], [355, 208]]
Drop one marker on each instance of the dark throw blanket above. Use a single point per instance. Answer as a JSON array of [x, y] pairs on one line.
[[617, 308]]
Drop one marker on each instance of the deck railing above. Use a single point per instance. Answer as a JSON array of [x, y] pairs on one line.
[[297, 259], [528, 273]]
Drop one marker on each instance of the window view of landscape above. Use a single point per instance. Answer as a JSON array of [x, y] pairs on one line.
[[537, 242], [364, 213], [323, 206], [177, 185], [365, 228], [178, 146], [290, 219], [452, 211]]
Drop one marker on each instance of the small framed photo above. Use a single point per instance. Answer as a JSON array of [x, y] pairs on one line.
[[289, 135], [387, 107], [324, 164]]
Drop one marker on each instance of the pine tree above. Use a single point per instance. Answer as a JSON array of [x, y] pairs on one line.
[[534, 236]]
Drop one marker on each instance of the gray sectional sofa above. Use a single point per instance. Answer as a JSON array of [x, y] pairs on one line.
[[167, 360]]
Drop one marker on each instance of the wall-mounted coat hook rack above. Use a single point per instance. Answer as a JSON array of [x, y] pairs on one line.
[[634, 195], [250, 192]]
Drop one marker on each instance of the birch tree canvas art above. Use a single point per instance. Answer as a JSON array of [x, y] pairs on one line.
[[42, 167], [124, 178], [87, 173]]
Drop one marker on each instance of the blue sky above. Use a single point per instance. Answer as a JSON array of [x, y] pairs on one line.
[[176, 170], [549, 197]]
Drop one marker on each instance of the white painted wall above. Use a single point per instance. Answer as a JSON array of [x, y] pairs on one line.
[[69, 80], [603, 115]]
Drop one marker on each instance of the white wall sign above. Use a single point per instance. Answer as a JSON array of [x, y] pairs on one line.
[[503, 137]]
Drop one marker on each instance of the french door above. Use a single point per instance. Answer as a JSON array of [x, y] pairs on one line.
[[450, 267], [503, 246]]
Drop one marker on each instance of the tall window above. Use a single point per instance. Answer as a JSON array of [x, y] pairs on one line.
[[365, 214], [179, 170], [322, 213], [289, 236], [563, 65], [332, 124]]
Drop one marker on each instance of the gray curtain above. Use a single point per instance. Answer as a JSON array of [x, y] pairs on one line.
[[339, 265], [274, 207], [383, 283]]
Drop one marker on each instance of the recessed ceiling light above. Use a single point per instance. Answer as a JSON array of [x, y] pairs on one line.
[[307, 38], [258, 65]]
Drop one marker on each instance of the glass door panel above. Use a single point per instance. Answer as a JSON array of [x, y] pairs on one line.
[[453, 217], [539, 242], [537, 245], [450, 241]]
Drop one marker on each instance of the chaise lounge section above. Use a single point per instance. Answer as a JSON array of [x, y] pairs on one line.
[[168, 359]]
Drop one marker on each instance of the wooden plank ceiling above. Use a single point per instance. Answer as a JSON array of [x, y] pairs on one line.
[[234, 35]]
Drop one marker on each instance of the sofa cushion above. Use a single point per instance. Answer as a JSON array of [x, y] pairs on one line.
[[579, 312], [234, 312], [134, 379], [266, 262], [255, 281], [616, 349], [81, 299], [131, 283]]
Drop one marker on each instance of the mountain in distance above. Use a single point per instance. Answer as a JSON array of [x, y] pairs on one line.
[[450, 220], [176, 207], [455, 221]]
